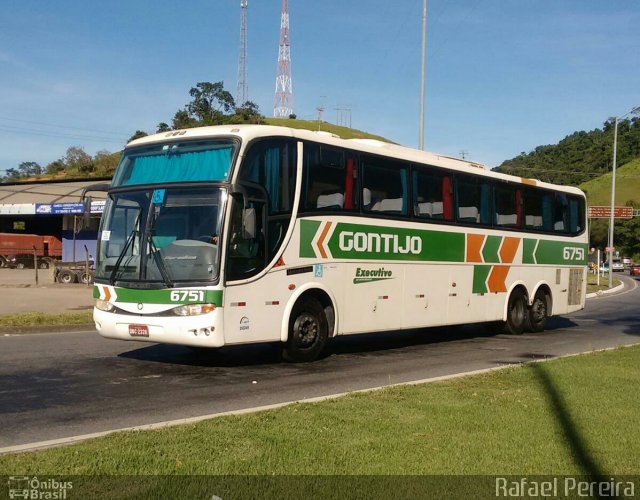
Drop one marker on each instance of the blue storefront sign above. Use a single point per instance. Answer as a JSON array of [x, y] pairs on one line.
[[59, 208]]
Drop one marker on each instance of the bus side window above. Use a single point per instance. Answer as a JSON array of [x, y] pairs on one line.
[[507, 206], [429, 196], [533, 209], [576, 214], [473, 200], [386, 182], [272, 164], [561, 213], [245, 255], [330, 179]]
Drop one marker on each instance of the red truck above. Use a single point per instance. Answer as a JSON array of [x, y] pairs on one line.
[[16, 250]]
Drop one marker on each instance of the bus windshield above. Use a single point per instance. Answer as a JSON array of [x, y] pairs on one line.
[[162, 235], [189, 161]]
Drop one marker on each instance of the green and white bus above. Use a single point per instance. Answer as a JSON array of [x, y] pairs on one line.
[[228, 235]]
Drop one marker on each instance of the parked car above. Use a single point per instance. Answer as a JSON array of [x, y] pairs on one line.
[[634, 270]]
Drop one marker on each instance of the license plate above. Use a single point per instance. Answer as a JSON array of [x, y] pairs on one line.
[[139, 330]]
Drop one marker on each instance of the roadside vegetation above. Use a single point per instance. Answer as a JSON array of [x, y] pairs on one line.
[[575, 415], [593, 286], [45, 319]]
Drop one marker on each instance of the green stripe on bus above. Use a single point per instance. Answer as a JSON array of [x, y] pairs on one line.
[[480, 275], [360, 241], [561, 252], [308, 229], [528, 247], [165, 296], [490, 249]]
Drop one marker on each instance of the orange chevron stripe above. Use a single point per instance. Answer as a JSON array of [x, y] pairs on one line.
[[497, 278], [107, 293], [323, 235], [508, 249], [474, 247]]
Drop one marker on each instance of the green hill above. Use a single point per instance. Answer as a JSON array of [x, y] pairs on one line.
[[343, 132], [627, 186], [627, 232]]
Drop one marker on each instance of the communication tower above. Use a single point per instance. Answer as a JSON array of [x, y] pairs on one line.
[[283, 102], [242, 91]]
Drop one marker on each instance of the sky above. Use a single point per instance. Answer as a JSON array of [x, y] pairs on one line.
[[502, 76]]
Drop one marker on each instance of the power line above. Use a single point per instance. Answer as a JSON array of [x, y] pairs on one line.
[[62, 135], [84, 129]]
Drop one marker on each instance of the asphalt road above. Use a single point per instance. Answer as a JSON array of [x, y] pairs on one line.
[[59, 385]]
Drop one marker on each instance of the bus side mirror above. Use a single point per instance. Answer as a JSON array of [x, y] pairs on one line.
[[86, 200], [248, 223]]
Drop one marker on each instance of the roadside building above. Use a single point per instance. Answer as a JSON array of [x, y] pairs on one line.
[[53, 208]]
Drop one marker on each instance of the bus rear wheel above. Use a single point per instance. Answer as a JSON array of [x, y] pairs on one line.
[[538, 312], [516, 313], [308, 331]]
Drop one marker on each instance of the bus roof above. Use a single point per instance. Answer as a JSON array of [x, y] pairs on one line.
[[249, 132]]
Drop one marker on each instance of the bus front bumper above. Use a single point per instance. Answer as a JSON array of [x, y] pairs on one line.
[[199, 331]]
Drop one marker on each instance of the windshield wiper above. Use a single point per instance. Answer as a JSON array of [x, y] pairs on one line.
[[116, 266], [159, 262]]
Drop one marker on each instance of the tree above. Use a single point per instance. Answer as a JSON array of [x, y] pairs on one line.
[[247, 113], [210, 103], [138, 134], [105, 163], [29, 169], [55, 167], [11, 175], [162, 127], [77, 161], [182, 120]]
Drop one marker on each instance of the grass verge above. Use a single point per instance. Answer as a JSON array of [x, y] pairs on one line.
[[576, 415], [592, 283], [45, 319]]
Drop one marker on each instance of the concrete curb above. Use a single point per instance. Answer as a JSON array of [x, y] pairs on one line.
[[606, 292]]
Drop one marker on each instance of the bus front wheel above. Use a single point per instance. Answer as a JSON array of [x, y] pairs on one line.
[[308, 331], [516, 313]]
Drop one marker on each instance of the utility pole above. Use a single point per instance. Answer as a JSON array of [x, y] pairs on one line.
[[422, 72]]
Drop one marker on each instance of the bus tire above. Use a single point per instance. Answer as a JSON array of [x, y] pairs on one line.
[[308, 331], [516, 313], [538, 312]]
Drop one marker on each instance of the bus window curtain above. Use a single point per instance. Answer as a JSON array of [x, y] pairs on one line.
[[447, 197], [573, 215], [547, 213], [272, 177], [518, 208], [348, 185], [212, 165], [485, 203], [405, 193]]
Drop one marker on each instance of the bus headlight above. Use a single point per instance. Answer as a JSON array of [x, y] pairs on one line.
[[193, 309], [103, 305]]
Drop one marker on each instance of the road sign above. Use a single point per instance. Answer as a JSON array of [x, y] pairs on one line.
[[602, 212]]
